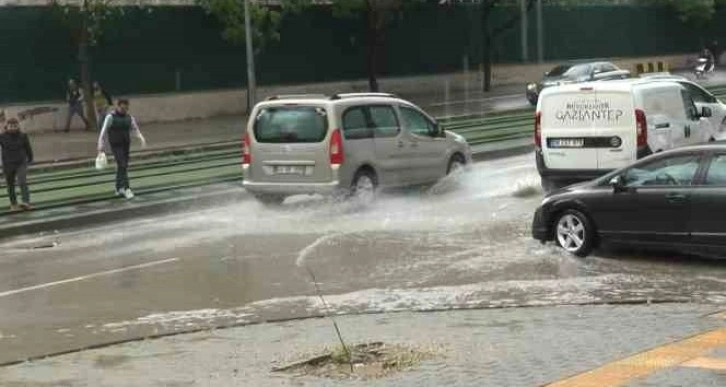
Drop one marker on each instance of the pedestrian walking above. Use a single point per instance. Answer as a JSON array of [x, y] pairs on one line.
[[118, 127], [74, 97], [102, 102], [17, 154]]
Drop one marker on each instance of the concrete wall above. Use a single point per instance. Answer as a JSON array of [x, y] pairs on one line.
[[183, 106]]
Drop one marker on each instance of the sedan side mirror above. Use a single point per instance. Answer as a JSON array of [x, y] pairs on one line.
[[706, 112], [618, 184]]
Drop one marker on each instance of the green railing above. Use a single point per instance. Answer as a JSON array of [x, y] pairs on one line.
[[202, 164]]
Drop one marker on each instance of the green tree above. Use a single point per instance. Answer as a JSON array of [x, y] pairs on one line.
[[266, 21], [87, 20], [378, 15]]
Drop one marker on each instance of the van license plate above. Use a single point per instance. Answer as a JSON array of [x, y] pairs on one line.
[[289, 170], [567, 143]]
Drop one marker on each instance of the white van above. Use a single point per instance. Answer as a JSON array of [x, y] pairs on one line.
[[585, 130]]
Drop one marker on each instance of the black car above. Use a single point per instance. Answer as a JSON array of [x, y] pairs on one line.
[[575, 72], [672, 200]]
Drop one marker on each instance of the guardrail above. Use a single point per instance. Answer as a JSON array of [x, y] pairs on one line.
[[76, 182]]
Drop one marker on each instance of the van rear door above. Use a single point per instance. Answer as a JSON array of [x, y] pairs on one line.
[[579, 127], [616, 130], [289, 144]]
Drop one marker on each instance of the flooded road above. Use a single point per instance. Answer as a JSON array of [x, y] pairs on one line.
[[463, 244]]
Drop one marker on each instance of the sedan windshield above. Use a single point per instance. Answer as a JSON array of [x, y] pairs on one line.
[[569, 71]]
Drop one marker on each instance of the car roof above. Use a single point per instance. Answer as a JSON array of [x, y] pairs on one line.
[[711, 146], [663, 75], [335, 99], [622, 85]]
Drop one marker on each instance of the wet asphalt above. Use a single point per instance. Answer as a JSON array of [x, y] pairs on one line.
[[462, 244]]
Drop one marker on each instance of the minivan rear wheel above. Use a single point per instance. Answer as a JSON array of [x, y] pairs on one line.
[[270, 200], [575, 233], [364, 186]]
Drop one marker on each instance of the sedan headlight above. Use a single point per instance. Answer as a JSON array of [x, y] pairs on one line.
[[532, 87]]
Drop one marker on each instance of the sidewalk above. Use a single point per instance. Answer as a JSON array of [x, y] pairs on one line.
[[644, 345], [59, 146], [76, 144]]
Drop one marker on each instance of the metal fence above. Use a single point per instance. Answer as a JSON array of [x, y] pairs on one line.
[[181, 48]]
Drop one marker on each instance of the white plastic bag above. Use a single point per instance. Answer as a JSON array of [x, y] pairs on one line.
[[101, 161]]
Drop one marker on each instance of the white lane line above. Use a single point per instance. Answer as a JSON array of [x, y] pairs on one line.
[[85, 277]]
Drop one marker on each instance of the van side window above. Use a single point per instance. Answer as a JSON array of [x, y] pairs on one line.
[[385, 123], [416, 123], [698, 94], [355, 124], [691, 111]]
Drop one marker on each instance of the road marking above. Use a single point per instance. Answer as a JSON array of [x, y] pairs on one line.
[[88, 276], [643, 364], [708, 363]]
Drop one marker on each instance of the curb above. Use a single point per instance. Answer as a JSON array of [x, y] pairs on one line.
[[201, 201]]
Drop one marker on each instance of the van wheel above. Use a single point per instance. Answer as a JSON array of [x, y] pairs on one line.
[[575, 233], [270, 200], [364, 186], [456, 165], [548, 185]]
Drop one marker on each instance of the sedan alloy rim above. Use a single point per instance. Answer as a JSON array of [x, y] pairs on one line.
[[570, 232]]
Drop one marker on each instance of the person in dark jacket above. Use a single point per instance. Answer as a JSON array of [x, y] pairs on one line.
[[74, 97], [16, 155], [118, 127]]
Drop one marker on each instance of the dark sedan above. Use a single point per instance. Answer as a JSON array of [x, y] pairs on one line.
[[574, 73], [673, 200]]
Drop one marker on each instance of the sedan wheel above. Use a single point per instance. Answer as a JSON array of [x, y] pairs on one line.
[[574, 233]]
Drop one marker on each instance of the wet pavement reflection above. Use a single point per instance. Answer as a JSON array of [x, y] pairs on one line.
[[462, 244]]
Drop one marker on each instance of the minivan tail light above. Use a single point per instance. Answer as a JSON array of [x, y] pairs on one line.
[[538, 129], [641, 127], [246, 149], [336, 148]]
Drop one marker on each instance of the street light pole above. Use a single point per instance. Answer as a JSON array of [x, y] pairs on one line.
[[540, 33], [524, 30], [251, 83]]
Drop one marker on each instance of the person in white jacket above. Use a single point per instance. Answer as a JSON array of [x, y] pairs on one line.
[[118, 127]]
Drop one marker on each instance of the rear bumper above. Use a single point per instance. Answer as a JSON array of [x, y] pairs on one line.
[[291, 188], [566, 174], [577, 174]]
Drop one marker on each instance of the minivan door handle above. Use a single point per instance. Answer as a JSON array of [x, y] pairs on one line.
[[400, 144], [676, 198], [687, 130], [663, 126]]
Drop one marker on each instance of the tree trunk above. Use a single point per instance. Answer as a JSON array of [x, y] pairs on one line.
[[372, 49], [84, 61]]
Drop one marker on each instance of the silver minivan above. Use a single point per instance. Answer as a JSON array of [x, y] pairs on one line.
[[347, 143]]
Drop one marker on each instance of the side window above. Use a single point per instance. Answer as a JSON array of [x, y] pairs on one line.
[[355, 124], [698, 94], [606, 67], [416, 123], [691, 111], [672, 171], [385, 123], [716, 174]]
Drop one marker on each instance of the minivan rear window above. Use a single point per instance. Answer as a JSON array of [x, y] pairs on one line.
[[291, 124]]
